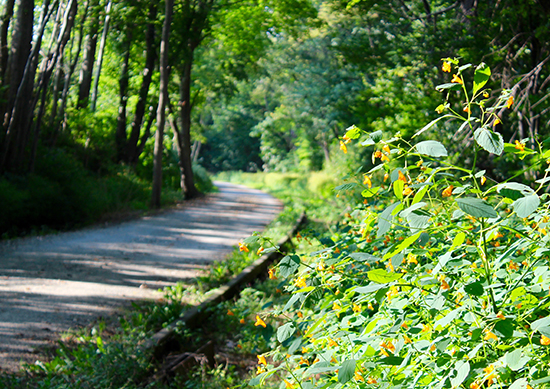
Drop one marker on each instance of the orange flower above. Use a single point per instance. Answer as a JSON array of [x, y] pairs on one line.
[[402, 177], [407, 339], [388, 346], [520, 146], [367, 181], [271, 273], [456, 79], [489, 335], [448, 191], [242, 321], [509, 102], [386, 148], [371, 381], [444, 284], [358, 377], [261, 360], [242, 247], [474, 385], [260, 322], [332, 343], [260, 251], [343, 147], [407, 191], [545, 341], [513, 266], [446, 67], [411, 259], [336, 306], [288, 385], [229, 313], [467, 109], [501, 316]]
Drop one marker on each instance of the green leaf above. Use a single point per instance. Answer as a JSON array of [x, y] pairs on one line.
[[514, 360], [431, 148], [347, 186], [398, 187], [489, 140], [458, 240], [251, 239], [285, 331], [403, 245], [418, 220], [476, 207], [462, 371], [288, 265], [369, 192], [369, 288], [505, 328], [364, 257], [525, 206], [391, 361], [449, 85], [385, 219], [381, 276], [353, 132], [420, 194], [316, 324], [520, 383], [346, 371], [431, 124], [542, 326], [481, 76], [474, 289]]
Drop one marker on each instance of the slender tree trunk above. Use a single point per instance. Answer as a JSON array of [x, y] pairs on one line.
[[131, 152], [85, 77], [5, 20], [186, 164], [99, 63], [120, 135], [163, 96]]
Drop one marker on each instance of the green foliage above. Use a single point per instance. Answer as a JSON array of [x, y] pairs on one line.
[[438, 279]]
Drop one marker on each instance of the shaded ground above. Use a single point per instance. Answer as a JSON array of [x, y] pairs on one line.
[[54, 283]]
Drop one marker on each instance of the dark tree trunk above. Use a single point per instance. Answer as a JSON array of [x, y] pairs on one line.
[[5, 20], [132, 149], [163, 96], [120, 135], [86, 72]]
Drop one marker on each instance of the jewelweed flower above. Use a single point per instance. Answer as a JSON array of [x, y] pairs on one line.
[[407, 191], [513, 266], [411, 258], [483, 179], [336, 306], [456, 79], [386, 148], [242, 321], [447, 191], [260, 322], [501, 316], [520, 146], [367, 181], [343, 147], [358, 377], [356, 308], [491, 374], [321, 266], [271, 273], [467, 109], [332, 343], [260, 251], [474, 385], [371, 381], [489, 335], [230, 313], [486, 94], [545, 341], [261, 360], [301, 282], [288, 385], [509, 102], [402, 177], [446, 67], [496, 122], [242, 247], [388, 346]]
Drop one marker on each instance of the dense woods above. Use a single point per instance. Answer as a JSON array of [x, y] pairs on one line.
[[248, 85]]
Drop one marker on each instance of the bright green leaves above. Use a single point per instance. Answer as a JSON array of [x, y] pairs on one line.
[[288, 265], [346, 371], [526, 201], [542, 326], [489, 140], [431, 148], [476, 207], [403, 245], [386, 218], [352, 132], [285, 332], [462, 369], [481, 76], [381, 276]]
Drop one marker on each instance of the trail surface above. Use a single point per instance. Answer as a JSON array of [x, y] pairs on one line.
[[51, 284]]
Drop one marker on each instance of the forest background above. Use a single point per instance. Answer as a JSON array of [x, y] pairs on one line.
[[105, 105]]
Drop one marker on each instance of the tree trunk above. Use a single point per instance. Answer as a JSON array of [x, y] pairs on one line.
[[5, 20], [186, 164], [131, 152], [163, 96], [99, 63], [120, 135], [85, 77]]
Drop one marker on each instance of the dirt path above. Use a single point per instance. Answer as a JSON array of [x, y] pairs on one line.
[[54, 283]]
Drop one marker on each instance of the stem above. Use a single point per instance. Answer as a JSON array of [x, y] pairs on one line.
[[485, 259]]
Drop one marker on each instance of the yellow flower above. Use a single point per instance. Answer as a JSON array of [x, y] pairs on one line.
[[336, 306], [261, 360], [242, 247], [371, 381], [260, 322], [402, 177], [491, 374], [444, 284], [343, 147], [321, 266], [358, 377], [501, 316], [356, 308], [386, 148], [411, 258], [260, 251], [388, 346], [407, 191], [545, 341], [489, 335], [301, 282], [474, 385], [333, 360], [496, 122], [288, 385], [486, 94], [369, 306], [367, 181], [332, 343], [448, 191], [483, 179], [394, 291], [271, 273], [509, 102], [407, 339], [520, 146], [446, 67], [513, 266], [456, 79]]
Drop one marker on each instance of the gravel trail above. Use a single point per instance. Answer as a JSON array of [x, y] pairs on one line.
[[51, 284]]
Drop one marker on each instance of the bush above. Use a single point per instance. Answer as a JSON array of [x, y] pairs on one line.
[[440, 280]]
